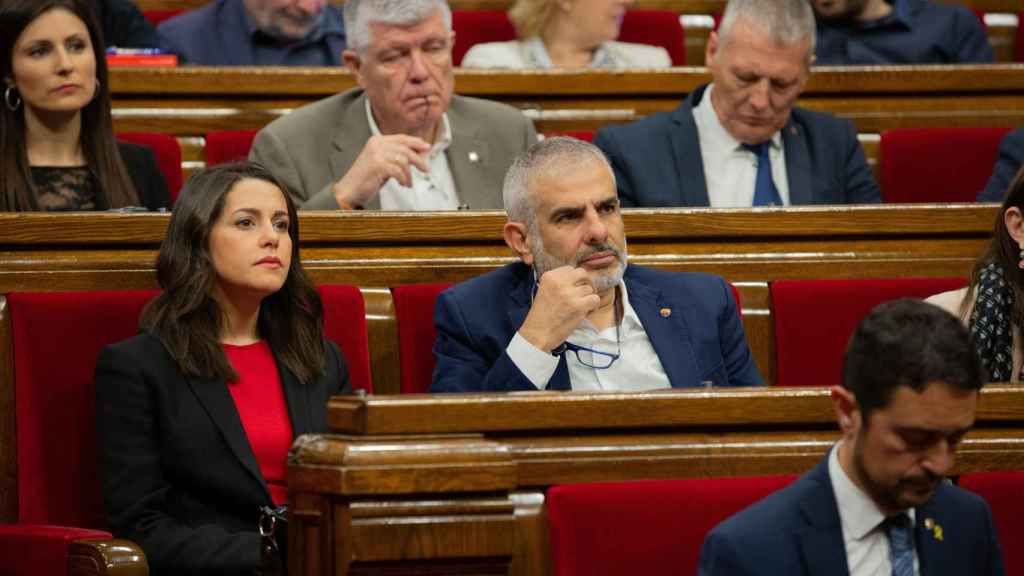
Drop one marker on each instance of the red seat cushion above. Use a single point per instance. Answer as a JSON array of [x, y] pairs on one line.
[[656, 28], [37, 549], [585, 135], [644, 527], [937, 164], [477, 27], [414, 310], [814, 319], [1004, 492], [228, 146], [168, 156], [155, 17], [57, 337], [345, 325]]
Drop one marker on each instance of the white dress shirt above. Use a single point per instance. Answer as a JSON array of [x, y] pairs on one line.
[[867, 545], [638, 366], [730, 170], [434, 190]]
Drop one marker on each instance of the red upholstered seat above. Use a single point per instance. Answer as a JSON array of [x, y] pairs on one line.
[[657, 28], [477, 27], [155, 17], [228, 146], [814, 319], [937, 164], [653, 528], [414, 310], [1004, 492], [654, 27], [345, 324], [168, 156], [585, 135], [56, 339]]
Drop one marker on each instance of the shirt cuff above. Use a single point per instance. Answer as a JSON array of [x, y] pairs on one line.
[[537, 365]]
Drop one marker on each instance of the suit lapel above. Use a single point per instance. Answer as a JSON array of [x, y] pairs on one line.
[[520, 300], [468, 157], [689, 164], [214, 396], [798, 164], [668, 334], [350, 135], [295, 396], [932, 555], [821, 538]]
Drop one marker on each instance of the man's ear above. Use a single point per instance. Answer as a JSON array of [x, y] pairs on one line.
[[711, 49], [354, 64], [518, 239], [847, 410]]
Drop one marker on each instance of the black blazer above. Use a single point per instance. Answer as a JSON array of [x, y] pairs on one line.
[[178, 474], [145, 174]]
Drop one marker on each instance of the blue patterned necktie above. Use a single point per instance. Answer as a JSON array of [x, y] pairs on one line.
[[901, 544], [765, 192]]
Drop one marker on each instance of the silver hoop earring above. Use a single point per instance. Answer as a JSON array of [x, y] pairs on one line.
[[16, 103]]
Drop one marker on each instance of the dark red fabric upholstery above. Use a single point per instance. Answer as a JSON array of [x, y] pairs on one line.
[[155, 17], [168, 156], [815, 318], [1004, 492], [937, 164], [585, 135], [654, 528], [345, 324], [39, 550], [228, 146], [479, 26], [657, 28], [654, 27], [414, 310], [57, 337]]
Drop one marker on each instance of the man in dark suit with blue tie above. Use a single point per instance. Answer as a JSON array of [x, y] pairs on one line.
[[878, 504], [571, 314], [740, 141]]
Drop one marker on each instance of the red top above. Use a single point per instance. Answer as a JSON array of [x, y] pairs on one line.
[[259, 399]]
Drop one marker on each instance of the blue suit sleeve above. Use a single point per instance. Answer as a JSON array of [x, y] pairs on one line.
[[719, 557], [462, 364], [972, 46], [1011, 156], [739, 362], [608, 144], [861, 187]]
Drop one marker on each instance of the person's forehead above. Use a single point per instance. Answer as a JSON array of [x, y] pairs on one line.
[[937, 405], [42, 27], [750, 46], [577, 183]]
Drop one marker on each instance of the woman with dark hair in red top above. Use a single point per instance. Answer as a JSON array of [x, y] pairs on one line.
[[195, 415]]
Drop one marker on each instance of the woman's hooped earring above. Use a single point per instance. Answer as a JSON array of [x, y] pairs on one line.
[[12, 104]]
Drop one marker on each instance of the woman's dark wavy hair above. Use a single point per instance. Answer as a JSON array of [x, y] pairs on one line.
[[187, 319], [1004, 251], [98, 143]]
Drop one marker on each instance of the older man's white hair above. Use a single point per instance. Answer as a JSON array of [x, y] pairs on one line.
[[787, 22], [359, 14], [545, 158]]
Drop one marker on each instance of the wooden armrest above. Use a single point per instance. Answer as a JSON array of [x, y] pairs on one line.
[[106, 557]]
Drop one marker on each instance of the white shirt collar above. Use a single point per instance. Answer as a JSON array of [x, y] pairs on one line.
[[711, 128], [440, 144], [858, 513]]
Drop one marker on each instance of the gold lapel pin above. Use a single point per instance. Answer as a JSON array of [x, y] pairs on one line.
[[934, 528], [474, 157], [665, 312]]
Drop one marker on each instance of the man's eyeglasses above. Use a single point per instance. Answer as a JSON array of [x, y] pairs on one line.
[[597, 359]]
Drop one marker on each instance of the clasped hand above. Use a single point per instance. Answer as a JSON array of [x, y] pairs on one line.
[[565, 296]]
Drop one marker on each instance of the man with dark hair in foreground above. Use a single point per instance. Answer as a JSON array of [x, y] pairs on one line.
[[878, 503]]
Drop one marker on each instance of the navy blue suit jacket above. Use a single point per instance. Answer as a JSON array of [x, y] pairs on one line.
[[797, 531], [701, 339], [1011, 157], [218, 34], [657, 159]]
